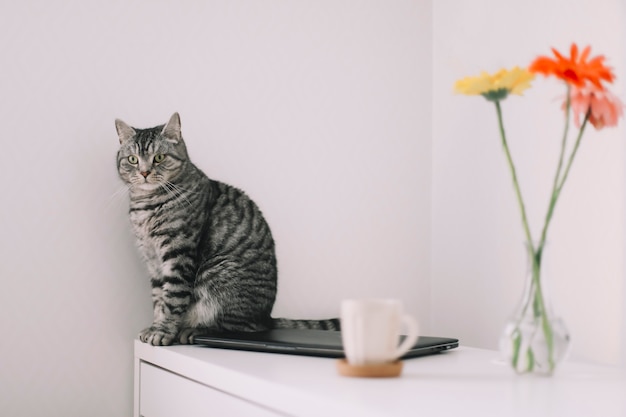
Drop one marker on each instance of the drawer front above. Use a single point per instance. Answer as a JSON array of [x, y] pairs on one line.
[[166, 394]]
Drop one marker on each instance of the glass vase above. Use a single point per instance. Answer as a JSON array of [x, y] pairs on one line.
[[535, 340]]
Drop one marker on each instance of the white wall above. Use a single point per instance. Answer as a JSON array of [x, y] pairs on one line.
[[319, 109], [478, 257]]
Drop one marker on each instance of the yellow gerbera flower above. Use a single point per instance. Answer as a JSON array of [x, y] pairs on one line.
[[497, 86]]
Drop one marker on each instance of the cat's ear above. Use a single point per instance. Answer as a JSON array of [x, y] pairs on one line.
[[172, 129], [124, 131]]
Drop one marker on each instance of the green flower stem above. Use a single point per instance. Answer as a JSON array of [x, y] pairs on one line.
[[540, 309], [518, 192], [517, 342], [556, 192], [536, 300], [547, 328], [563, 141], [557, 176], [573, 155]]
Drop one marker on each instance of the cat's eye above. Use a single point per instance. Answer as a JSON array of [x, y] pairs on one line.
[[133, 159], [159, 158]]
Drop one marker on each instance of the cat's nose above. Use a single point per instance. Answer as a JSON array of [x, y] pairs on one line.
[[145, 173]]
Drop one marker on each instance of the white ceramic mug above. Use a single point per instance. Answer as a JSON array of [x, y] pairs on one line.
[[371, 329]]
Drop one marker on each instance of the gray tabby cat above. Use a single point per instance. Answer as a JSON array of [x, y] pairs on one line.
[[209, 252]]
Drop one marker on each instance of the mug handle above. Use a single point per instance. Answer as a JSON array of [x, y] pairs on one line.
[[411, 337]]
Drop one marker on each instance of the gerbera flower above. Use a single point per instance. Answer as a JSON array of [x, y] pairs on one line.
[[576, 70], [604, 108], [495, 87]]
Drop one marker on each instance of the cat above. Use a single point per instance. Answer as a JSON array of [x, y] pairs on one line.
[[209, 252]]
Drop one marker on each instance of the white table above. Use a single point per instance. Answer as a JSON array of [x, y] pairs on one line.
[[199, 381]]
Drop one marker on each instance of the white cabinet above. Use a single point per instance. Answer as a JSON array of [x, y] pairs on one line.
[[194, 381], [165, 394]]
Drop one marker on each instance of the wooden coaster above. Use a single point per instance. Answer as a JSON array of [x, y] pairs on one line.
[[383, 370]]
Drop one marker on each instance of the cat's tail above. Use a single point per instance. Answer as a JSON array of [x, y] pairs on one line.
[[329, 324]]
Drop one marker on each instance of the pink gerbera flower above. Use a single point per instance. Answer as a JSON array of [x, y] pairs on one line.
[[604, 108]]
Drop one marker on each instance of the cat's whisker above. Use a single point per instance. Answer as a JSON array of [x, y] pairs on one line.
[[169, 192], [117, 198], [175, 191], [180, 191], [178, 187]]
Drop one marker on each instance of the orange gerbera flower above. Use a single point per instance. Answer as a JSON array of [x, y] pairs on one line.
[[575, 70]]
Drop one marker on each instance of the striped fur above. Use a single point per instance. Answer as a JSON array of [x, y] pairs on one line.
[[330, 324], [209, 252]]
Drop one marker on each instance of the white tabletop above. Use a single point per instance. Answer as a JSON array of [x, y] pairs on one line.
[[462, 382]]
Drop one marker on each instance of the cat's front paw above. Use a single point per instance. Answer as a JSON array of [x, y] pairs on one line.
[[156, 336], [186, 336]]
